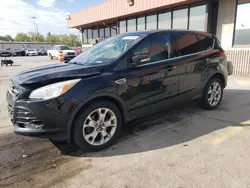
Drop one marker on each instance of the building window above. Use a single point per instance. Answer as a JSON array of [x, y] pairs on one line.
[[131, 25], [113, 30], [90, 37], [95, 36], [85, 39], [107, 32], [180, 19], [122, 26], [141, 24], [101, 32], [198, 18], [164, 20], [242, 28], [151, 22]]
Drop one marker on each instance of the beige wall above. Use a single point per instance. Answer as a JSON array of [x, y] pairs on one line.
[[113, 9], [226, 20]]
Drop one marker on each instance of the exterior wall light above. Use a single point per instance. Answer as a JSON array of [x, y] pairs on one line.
[[131, 2]]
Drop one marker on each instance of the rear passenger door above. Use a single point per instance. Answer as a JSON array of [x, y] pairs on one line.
[[191, 64]]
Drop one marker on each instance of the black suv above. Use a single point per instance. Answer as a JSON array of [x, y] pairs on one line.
[[88, 99]]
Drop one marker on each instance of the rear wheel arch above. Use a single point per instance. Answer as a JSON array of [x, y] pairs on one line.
[[219, 76], [211, 98]]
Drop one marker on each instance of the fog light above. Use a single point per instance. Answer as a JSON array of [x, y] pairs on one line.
[[34, 126]]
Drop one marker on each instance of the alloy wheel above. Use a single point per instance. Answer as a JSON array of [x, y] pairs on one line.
[[214, 94], [100, 126]]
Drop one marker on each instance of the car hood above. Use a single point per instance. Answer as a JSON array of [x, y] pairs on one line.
[[57, 72], [67, 51]]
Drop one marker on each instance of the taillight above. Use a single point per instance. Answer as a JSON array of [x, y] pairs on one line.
[[222, 52]]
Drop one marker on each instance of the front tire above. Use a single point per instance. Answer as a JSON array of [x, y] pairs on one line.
[[212, 94], [98, 126]]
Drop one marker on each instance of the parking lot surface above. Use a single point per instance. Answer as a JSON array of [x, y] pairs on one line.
[[182, 147]]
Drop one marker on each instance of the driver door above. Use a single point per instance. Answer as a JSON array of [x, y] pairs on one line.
[[154, 80]]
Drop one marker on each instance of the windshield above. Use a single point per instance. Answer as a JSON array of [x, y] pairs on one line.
[[64, 48], [107, 51]]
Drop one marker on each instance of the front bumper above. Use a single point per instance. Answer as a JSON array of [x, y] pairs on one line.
[[69, 57], [32, 54], [45, 119]]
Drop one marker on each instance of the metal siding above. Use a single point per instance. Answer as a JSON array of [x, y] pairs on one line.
[[116, 8], [241, 61]]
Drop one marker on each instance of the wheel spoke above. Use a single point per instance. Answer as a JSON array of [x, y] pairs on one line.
[[91, 123], [218, 92], [104, 133], [101, 114], [109, 124], [210, 99], [215, 102], [93, 134], [102, 141], [215, 86], [112, 118]]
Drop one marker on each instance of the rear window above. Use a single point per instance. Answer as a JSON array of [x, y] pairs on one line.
[[206, 42]]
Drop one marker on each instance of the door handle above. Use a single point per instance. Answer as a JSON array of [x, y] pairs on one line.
[[205, 61], [170, 68]]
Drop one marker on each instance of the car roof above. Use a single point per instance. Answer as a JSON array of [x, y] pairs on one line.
[[167, 30], [190, 31]]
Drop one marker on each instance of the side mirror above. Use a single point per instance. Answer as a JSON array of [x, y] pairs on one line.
[[139, 59]]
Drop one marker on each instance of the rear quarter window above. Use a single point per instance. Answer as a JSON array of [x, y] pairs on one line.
[[188, 44], [206, 42]]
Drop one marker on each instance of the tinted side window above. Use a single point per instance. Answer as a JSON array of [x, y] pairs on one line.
[[188, 44], [142, 48], [207, 42], [159, 48], [155, 47]]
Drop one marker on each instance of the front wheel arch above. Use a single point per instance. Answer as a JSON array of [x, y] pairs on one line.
[[98, 97], [80, 139]]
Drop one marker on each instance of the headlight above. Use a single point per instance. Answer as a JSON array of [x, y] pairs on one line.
[[53, 90]]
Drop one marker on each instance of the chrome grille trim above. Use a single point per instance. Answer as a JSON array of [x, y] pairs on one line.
[[10, 112], [23, 116], [14, 89]]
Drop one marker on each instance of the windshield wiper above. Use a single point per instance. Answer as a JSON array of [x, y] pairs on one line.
[[76, 63]]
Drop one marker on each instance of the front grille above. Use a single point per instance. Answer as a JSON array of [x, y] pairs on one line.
[[25, 116], [10, 112], [71, 53], [15, 89]]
